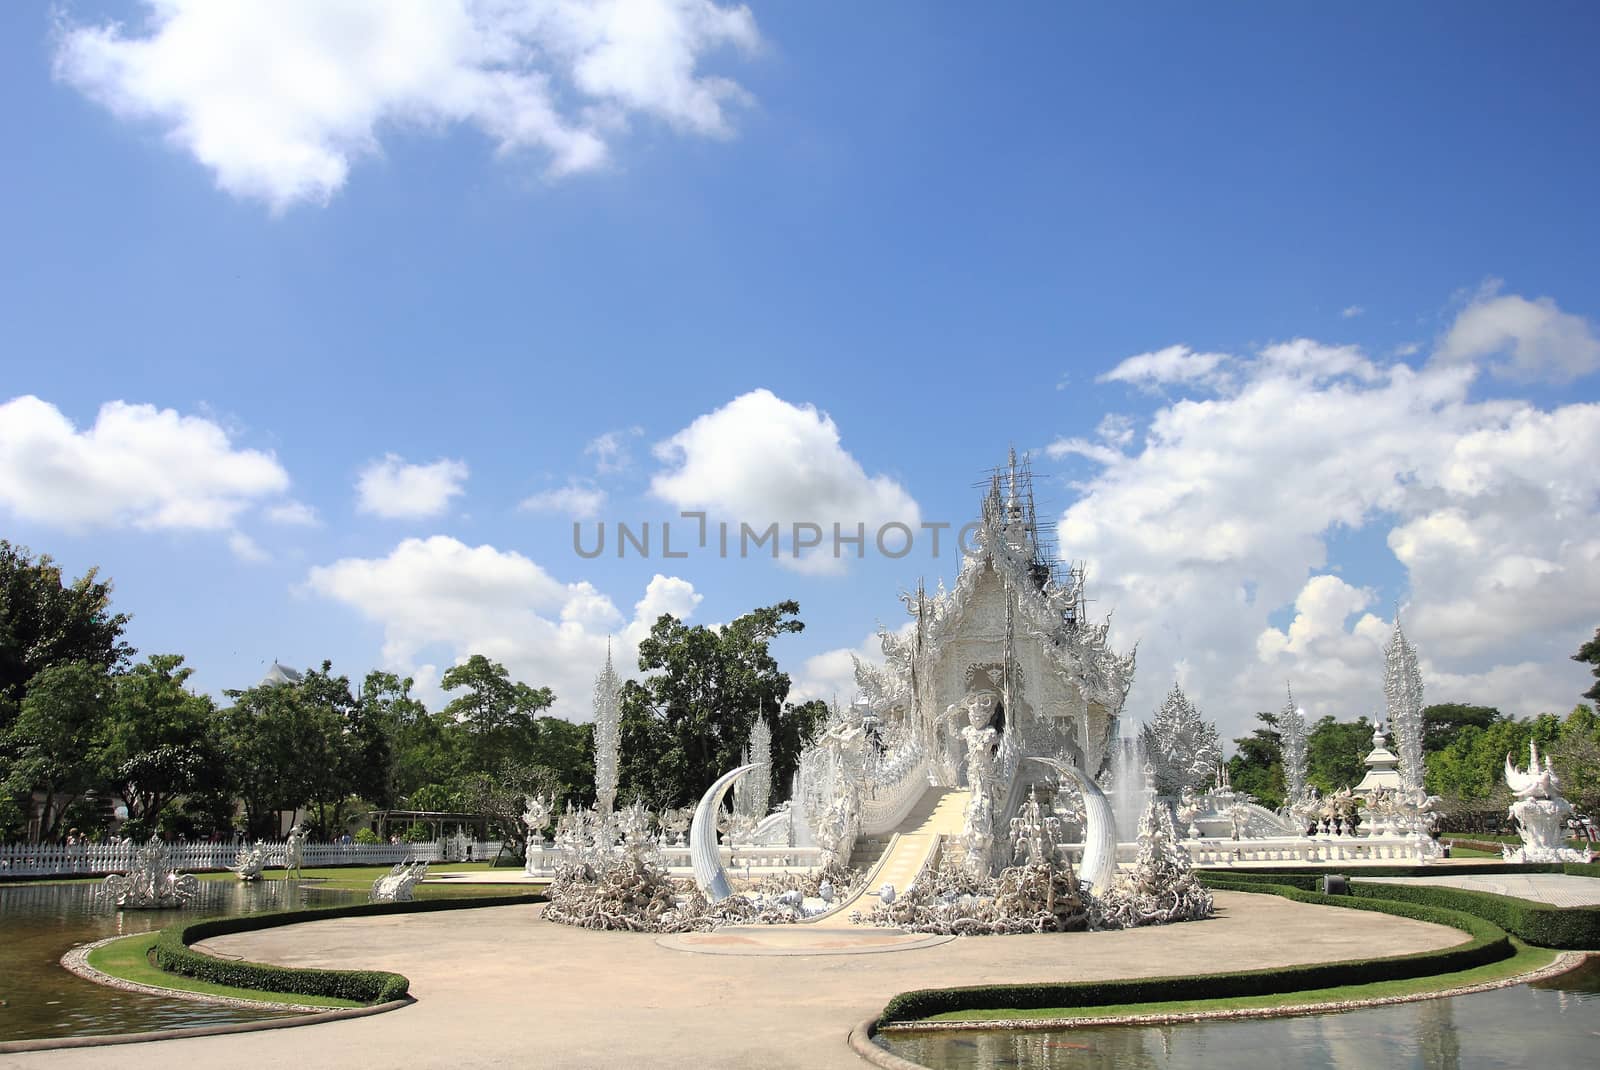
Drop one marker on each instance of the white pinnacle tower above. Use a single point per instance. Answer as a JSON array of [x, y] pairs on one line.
[[607, 735], [1402, 689], [1292, 730]]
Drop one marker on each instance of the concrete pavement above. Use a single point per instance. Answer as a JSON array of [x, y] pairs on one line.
[[501, 987]]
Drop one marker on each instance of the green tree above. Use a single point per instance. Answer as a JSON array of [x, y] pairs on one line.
[[1336, 753], [1443, 721], [1576, 757], [56, 737], [283, 745], [161, 742], [497, 713], [1590, 653], [1257, 764], [687, 722], [45, 622]]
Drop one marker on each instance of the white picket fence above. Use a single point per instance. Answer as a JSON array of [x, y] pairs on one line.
[[53, 859]]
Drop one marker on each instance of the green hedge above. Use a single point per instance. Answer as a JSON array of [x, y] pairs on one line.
[[1488, 944], [173, 953], [1536, 923]]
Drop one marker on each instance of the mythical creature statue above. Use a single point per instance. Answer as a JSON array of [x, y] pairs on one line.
[[1540, 812], [535, 816], [396, 886], [981, 738], [844, 750], [153, 883], [249, 862], [294, 850]]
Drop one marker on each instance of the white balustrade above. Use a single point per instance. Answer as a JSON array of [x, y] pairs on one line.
[[46, 859]]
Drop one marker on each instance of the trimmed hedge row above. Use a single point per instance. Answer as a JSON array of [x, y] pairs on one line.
[[1536, 923], [1488, 944], [173, 953], [1547, 926]]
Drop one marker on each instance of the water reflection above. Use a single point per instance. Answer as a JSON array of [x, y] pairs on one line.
[[41, 922], [1554, 1023]]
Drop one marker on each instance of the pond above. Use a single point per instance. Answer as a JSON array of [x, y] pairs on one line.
[[41, 922], [1555, 1023]]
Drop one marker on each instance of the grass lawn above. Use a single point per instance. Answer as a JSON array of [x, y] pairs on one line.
[[1458, 851], [1526, 959], [129, 959]]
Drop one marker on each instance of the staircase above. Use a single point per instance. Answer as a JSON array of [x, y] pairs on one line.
[[940, 812]]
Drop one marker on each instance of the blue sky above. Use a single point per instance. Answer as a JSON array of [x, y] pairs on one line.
[[944, 231]]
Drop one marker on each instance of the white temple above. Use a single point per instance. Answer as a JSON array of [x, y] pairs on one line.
[[1003, 666]]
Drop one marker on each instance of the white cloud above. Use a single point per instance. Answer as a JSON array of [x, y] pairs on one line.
[[137, 466], [760, 460], [392, 488], [293, 514], [831, 675], [1172, 365], [1522, 339], [610, 450], [1350, 312], [1227, 514], [247, 549], [440, 597], [574, 499], [279, 97]]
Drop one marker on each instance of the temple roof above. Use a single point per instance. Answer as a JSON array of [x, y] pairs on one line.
[[279, 674]]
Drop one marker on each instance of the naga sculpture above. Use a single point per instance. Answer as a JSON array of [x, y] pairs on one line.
[[1540, 812], [250, 861], [153, 883], [397, 885]]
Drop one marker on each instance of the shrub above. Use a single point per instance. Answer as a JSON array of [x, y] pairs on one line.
[[367, 836]]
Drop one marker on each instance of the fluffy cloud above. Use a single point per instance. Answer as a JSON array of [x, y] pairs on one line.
[[279, 97], [293, 514], [1223, 521], [440, 598], [610, 450], [1172, 365], [1522, 339], [575, 499], [759, 460], [137, 466], [392, 488]]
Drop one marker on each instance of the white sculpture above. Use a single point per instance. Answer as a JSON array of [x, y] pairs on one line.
[[1161, 886], [153, 883], [982, 741], [1540, 812], [535, 816], [709, 875], [607, 735], [397, 885], [1402, 691], [294, 850], [249, 862], [1292, 731], [836, 767], [1100, 826], [1180, 745]]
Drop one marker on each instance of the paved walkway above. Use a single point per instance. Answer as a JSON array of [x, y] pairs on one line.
[[1557, 889], [500, 987]]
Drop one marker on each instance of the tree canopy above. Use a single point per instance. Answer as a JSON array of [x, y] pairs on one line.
[[688, 721]]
